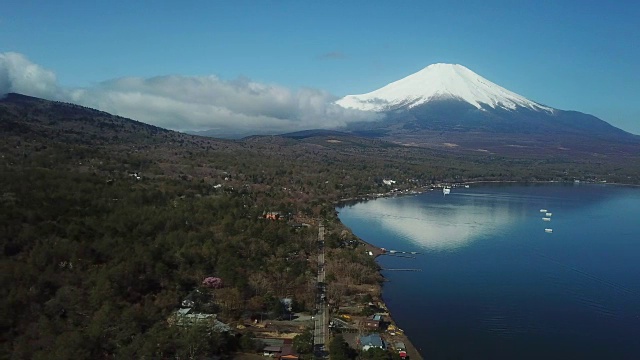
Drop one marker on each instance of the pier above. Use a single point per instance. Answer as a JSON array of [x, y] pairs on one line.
[[402, 269], [391, 251], [401, 255]]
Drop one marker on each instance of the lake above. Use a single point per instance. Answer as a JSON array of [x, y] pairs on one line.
[[495, 285]]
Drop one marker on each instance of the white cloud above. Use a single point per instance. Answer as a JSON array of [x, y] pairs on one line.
[[18, 74], [188, 102]]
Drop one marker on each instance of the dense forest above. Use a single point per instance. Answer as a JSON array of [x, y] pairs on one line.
[[108, 224]]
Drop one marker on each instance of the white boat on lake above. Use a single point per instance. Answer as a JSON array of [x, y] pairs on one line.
[[548, 214], [543, 210], [548, 230], [546, 219], [446, 191]]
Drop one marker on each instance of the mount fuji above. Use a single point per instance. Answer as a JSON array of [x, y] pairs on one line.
[[450, 106], [440, 82]]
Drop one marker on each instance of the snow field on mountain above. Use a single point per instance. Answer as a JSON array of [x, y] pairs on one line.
[[436, 82]]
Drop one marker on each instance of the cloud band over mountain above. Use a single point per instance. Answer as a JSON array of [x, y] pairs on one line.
[[188, 102]]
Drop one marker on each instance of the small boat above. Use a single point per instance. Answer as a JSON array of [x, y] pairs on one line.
[[466, 186], [546, 219], [446, 191], [549, 214], [548, 230], [543, 210]]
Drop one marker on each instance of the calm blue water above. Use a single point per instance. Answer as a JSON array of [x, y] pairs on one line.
[[494, 285]]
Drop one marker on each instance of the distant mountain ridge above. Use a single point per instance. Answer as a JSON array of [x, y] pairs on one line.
[[74, 123]]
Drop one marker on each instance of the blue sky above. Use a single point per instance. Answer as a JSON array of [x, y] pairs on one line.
[[572, 55]]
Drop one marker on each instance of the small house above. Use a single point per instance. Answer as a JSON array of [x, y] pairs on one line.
[[272, 215], [288, 353], [374, 322], [371, 341], [184, 317], [272, 351]]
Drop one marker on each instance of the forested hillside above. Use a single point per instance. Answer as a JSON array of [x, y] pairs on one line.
[[108, 224]]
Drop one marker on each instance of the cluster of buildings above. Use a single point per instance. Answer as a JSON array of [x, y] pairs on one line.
[[374, 340], [188, 317], [187, 314]]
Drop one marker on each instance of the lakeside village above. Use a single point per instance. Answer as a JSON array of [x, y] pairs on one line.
[[363, 326], [445, 187], [361, 319], [395, 191]]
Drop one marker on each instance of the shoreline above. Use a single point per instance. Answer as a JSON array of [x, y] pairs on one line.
[[566, 200], [412, 350], [426, 189]]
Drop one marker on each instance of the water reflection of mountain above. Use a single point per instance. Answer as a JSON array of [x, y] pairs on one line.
[[493, 279], [439, 227], [437, 222]]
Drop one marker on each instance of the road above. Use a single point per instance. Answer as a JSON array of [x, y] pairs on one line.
[[321, 327]]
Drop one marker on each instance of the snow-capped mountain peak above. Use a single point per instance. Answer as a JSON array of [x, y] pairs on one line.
[[440, 81]]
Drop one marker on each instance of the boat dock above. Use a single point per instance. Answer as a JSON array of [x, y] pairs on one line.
[[402, 269], [401, 255], [393, 252]]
